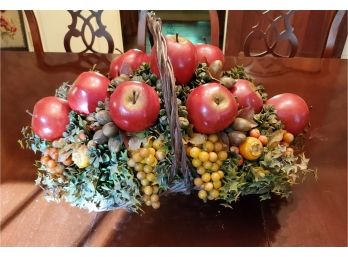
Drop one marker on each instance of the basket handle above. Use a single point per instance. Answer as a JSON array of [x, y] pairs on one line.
[[165, 68]]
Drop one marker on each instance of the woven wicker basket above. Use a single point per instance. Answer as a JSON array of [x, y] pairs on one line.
[[181, 163]]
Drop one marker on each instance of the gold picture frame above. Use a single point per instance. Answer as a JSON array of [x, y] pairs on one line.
[[13, 34]]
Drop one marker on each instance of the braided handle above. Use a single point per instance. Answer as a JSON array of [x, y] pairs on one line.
[[165, 68]]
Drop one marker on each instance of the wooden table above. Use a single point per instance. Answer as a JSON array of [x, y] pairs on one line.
[[315, 215]]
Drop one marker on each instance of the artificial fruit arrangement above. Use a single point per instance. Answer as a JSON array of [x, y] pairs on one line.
[[107, 141]]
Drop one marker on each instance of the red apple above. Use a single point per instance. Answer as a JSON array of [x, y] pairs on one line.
[[211, 108], [246, 96], [206, 53], [134, 106], [127, 62], [50, 117], [88, 89], [182, 54], [292, 110]]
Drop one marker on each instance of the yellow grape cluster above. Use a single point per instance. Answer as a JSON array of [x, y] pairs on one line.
[[143, 161], [207, 158]]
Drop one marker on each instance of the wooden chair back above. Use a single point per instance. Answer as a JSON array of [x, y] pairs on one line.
[[286, 33], [75, 31]]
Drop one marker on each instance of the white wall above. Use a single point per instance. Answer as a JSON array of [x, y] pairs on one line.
[[53, 27]]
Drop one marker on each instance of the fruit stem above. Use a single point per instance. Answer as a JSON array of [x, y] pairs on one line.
[[27, 111], [205, 40], [135, 97], [94, 67], [118, 50], [177, 37]]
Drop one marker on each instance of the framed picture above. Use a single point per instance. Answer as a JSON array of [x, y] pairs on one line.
[[13, 35]]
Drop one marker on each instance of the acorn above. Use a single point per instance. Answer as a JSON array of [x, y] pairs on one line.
[[103, 117], [241, 124], [110, 129], [236, 138], [99, 137], [114, 144], [215, 69], [224, 138], [227, 82]]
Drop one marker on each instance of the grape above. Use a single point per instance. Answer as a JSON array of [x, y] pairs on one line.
[[198, 182], [214, 193], [155, 189], [201, 170], [203, 156], [160, 155], [208, 186], [150, 160], [156, 205], [218, 147], [215, 167], [141, 175], [213, 138], [139, 167], [208, 146], [131, 163], [217, 184], [207, 165], [194, 152], [152, 150], [222, 155], [215, 176], [157, 144], [202, 194], [148, 190], [206, 177], [147, 169], [154, 198], [150, 177], [136, 157], [144, 152], [196, 163], [145, 182], [213, 157]]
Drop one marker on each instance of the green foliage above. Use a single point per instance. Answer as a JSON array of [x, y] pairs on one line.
[[267, 120], [273, 173], [145, 73], [31, 141], [201, 76], [107, 185], [62, 91]]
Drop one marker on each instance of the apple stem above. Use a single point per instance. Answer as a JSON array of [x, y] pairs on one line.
[[27, 111], [135, 97], [205, 40], [118, 50], [177, 37], [94, 67]]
